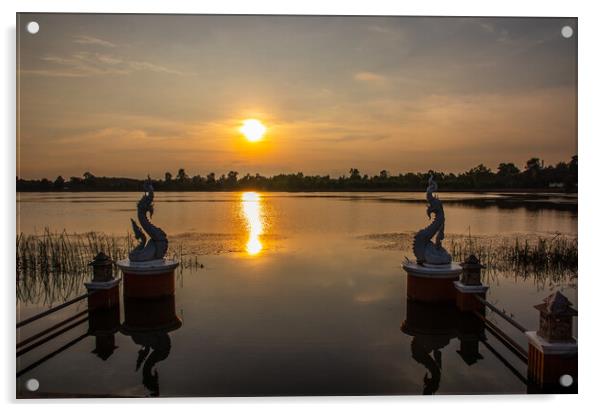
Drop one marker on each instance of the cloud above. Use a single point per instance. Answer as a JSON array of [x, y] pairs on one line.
[[81, 39], [87, 64], [487, 27], [363, 136], [369, 77]]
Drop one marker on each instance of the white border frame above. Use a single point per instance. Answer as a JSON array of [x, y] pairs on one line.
[[590, 131]]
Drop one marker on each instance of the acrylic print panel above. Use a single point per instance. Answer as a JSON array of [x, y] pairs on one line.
[[215, 205]]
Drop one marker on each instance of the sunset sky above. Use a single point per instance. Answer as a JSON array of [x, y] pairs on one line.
[[127, 95]]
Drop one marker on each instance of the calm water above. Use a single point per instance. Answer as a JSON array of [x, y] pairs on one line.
[[295, 297]]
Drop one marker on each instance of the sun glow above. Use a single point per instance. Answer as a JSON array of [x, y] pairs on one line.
[[253, 130], [251, 208]]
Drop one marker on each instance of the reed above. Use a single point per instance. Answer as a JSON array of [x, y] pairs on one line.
[[540, 253], [545, 258], [54, 265]]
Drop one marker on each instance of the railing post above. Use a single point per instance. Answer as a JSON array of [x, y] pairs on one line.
[[470, 286], [552, 348], [103, 305], [104, 284]]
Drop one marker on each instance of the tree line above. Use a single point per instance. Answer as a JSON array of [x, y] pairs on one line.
[[534, 175]]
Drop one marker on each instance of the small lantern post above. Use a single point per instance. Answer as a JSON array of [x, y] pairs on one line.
[[103, 305], [470, 285], [552, 348], [102, 268], [104, 284]]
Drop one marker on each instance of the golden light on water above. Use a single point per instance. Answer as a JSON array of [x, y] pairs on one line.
[[253, 130], [251, 208]]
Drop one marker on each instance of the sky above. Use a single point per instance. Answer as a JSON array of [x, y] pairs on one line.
[[131, 95]]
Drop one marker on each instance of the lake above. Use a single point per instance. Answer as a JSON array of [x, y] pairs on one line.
[[298, 294]]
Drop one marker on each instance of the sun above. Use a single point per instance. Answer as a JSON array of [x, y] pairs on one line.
[[253, 130]]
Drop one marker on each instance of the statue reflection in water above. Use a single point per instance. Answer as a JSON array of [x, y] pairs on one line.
[[160, 344], [421, 353], [432, 327], [148, 322]]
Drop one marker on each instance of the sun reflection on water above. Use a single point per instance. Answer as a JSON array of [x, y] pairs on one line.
[[251, 208]]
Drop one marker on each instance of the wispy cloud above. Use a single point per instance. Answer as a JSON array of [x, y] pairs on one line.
[[87, 64], [366, 76], [81, 39]]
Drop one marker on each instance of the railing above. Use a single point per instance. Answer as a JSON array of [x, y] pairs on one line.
[[52, 332], [50, 329], [54, 309], [502, 314], [49, 337], [53, 354], [506, 340]]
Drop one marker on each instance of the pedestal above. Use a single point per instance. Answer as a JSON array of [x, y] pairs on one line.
[[548, 361], [465, 296], [148, 280], [106, 295], [434, 283]]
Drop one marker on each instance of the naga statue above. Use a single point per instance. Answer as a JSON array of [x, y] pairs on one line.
[[427, 252], [156, 247]]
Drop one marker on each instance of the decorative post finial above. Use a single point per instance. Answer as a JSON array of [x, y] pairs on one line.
[[556, 318], [102, 268]]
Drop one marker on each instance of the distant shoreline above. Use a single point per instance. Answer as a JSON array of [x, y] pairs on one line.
[[384, 190], [534, 178]]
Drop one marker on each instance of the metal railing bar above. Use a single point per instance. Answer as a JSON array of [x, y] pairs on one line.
[[51, 355], [504, 338], [50, 329], [502, 314], [512, 369], [50, 337], [54, 309]]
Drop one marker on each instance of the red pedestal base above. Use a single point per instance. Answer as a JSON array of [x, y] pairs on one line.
[[432, 283], [432, 290], [466, 297], [549, 361], [466, 302], [103, 297], [147, 286]]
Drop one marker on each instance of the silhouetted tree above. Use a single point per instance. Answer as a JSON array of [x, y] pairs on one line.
[[354, 174], [182, 176], [533, 165], [232, 177], [507, 169], [59, 183]]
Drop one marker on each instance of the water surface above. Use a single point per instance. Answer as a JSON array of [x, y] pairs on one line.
[[295, 297]]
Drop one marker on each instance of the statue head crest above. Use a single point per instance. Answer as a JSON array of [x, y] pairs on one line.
[[148, 185], [432, 188]]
